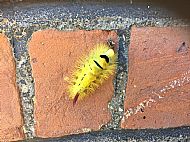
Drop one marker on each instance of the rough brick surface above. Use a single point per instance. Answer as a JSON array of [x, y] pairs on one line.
[[158, 89], [53, 57], [10, 114]]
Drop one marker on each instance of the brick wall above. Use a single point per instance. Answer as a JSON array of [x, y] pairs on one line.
[[150, 88]]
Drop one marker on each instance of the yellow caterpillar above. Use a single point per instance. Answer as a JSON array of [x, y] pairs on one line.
[[92, 71]]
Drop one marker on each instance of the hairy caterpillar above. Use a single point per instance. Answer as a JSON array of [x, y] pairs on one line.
[[92, 71]]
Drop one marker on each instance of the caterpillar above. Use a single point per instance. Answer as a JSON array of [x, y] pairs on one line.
[[92, 71]]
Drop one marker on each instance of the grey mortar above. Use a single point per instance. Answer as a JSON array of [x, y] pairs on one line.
[[28, 18], [182, 134], [116, 105]]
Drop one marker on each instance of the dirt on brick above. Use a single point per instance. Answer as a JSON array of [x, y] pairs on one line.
[[54, 55], [10, 115], [158, 89]]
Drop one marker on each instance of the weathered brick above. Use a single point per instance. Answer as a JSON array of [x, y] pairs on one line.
[[53, 57], [10, 115], [158, 89]]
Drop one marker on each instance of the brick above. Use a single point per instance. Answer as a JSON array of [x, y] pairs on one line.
[[53, 57], [10, 115], [158, 89]]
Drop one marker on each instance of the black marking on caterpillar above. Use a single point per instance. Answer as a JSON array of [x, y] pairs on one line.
[[105, 57], [98, 64]]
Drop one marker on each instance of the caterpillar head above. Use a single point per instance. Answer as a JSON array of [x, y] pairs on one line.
[[111, 44]]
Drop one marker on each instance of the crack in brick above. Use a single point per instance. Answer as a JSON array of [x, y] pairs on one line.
[[179, 82], [183, 80], [138, 108]]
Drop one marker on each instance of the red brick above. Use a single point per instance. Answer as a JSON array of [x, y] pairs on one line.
[[158, 89], [53, 57], [10, 115]]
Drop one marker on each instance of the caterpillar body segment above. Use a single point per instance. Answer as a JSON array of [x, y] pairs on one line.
[[92, 71]]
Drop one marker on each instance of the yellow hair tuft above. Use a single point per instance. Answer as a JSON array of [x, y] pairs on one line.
[[91, 72]]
